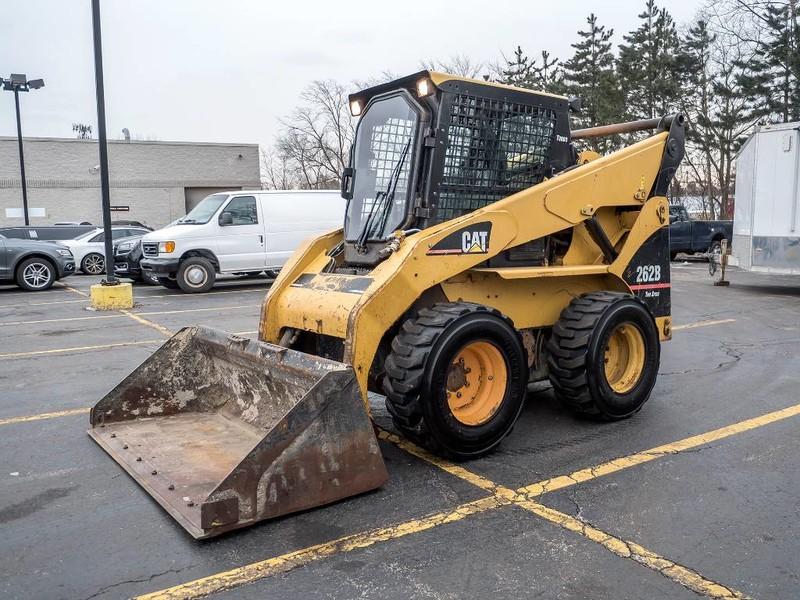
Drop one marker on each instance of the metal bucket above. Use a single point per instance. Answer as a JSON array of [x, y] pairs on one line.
[[225, 431]]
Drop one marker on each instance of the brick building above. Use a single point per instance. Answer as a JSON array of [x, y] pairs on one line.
[[151, 182]]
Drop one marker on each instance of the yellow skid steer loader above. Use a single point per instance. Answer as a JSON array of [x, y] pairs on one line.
[[480, 251]]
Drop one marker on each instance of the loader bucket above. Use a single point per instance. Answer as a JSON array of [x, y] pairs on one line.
[[224, 431]]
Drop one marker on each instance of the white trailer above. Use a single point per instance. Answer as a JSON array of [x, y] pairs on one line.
[[766, 221]]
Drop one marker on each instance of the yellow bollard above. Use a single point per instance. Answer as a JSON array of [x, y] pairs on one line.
[[111, 297]]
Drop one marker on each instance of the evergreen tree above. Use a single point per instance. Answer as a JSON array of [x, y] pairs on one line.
[[771, 79], [549, 76], [590, 75], [518, 70], [648, 65]]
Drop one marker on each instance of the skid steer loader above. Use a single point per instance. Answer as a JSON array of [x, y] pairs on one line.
[[480, 251]]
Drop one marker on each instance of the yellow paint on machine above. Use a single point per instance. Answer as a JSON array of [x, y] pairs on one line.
[[279, 564]]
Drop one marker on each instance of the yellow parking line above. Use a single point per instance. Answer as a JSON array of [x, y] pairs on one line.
[[74, 290], [119, 316], [76, 349], [139, 319], [41, 416], [625, 462], [703, 324], [12, 355], [26, 304], [285, 562], [686, 577]]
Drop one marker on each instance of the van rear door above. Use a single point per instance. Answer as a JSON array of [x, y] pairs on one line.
[[240, 236]]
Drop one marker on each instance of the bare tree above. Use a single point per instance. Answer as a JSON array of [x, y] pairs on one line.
[[84, 131], [458, 64], [313, 147]]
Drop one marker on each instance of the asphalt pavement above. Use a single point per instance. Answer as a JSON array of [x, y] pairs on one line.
[[695, 495]]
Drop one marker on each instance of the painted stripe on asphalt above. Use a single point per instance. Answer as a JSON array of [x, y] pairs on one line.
[[67, 350], [625, 462], [703, 324], [41, 416], [119, 316], [286, 562], [501, 496]]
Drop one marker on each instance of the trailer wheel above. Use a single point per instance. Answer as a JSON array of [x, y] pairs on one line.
[[455, 379], [196, 274], [603, 355]]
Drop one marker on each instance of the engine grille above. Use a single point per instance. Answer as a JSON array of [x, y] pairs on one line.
[[150, 248]]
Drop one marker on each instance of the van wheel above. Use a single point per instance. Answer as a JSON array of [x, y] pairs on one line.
[[196, 274]]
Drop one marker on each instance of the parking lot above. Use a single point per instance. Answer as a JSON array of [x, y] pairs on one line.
[[696, 494]]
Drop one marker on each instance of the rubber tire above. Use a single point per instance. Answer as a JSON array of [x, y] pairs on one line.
[[33, 260], [576, 355], [198, 261], [416, 373], [83, 263], [168, 283]]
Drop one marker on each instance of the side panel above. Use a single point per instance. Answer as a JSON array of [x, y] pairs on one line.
[[648, 274], [292, 218]]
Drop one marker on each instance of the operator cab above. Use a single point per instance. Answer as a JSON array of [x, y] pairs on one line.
[[432, 147]]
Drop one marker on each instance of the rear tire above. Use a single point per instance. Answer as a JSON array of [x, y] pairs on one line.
[[168, 283], [603, 355], [456, 379], [196, 274], [35, 274]]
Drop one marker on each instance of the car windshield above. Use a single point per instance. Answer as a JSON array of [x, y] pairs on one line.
[[382, 158], [203, 212], [85, 236]]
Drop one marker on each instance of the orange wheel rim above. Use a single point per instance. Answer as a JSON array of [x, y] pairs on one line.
[[624, 358], [476, 383]]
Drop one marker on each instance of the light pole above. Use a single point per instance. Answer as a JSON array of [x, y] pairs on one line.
[[17, 83]]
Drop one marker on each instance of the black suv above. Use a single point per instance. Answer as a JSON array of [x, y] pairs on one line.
[[32, 264]]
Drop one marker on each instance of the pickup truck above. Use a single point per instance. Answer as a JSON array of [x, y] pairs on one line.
[[690, 236]]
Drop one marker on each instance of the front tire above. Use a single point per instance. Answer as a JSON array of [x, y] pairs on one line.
[[196, 274], [93, 264], [456, 379], [35, 274], [603, 355]]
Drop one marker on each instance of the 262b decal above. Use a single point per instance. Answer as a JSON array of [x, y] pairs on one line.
[[648, 273]]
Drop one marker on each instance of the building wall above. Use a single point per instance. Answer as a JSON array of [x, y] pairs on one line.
[[149, 177]]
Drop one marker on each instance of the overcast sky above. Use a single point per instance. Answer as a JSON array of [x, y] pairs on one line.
[[226, 70]]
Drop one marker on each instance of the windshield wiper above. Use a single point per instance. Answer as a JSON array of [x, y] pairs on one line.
[[380, 209]]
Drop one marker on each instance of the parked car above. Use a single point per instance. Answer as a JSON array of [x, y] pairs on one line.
[[689, 235], [89, 249], [238, 232], [127, 255], [33, 265], [56, 232], [132, 223]]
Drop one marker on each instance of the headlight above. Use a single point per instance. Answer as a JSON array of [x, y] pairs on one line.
[[166, 247], [125, 246], [424, 87], [355, 107], [64, 252]]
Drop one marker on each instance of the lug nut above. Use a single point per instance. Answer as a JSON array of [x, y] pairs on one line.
[[138, 459], [153, 472], [171, 486], [113, 435], [124, 446]]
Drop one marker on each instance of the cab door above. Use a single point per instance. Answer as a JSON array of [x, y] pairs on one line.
[[240, 237]]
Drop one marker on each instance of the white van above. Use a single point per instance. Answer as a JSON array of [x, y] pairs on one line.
[[237, 232]]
